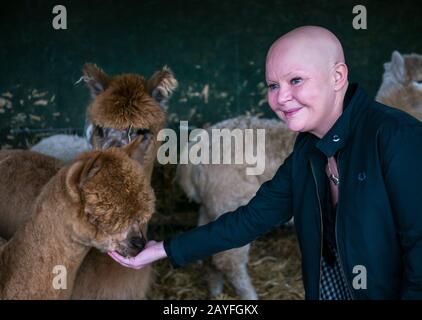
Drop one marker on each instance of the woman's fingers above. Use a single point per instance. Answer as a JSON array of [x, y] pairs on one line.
[[118, 258], [127, 262], [150, 243]]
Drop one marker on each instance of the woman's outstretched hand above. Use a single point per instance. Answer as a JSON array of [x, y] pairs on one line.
[[153, 251]]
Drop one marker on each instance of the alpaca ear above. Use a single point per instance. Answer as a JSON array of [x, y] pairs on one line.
[[137, 149], [92, 166], [72, 178], [130, 148], [96, 79], [162, 85], [398, 67], [80, 172]]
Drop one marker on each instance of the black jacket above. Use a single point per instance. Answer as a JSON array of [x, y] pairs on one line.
[[379, 212]]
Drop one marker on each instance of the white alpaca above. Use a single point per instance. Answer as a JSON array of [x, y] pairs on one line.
[[225, 187], [62, 146], [402, 83]]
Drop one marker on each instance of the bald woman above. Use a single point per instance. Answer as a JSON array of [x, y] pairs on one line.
[[352, 182]]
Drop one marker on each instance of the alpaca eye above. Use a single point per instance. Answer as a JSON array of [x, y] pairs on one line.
[[93, 220], [140, 132], [99, 131]]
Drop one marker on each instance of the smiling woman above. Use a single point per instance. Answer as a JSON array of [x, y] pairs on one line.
[[350, 150], [298, 81], [217, 51]]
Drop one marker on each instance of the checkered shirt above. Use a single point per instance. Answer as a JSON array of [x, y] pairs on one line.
[[333, 285]]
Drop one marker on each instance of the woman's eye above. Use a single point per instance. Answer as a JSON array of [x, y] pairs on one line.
[[295, 81], [272, 86]]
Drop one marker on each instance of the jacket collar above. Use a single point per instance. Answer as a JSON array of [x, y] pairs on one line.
[[355, 103]]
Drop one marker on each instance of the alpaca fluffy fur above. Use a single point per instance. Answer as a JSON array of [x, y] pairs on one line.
[[31, 171], [203, 184], [127, 104], [137, 109], [137, 105], [101, 200], [402, 83], [62, 146]]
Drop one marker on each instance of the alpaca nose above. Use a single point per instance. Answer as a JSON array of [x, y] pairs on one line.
[[138, 242]]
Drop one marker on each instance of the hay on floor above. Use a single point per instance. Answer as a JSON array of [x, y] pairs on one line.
[[274, 265]]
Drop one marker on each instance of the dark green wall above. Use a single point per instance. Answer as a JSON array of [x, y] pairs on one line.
[[217, 43]]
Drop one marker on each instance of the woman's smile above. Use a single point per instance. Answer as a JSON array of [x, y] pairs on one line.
[[291, 112]]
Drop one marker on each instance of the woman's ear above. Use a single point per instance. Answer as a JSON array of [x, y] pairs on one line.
[[95, 78], [340, 75], [162, 85]]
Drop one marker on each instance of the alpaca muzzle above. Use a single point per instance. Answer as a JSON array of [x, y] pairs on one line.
[[138, 242], [134, 243]]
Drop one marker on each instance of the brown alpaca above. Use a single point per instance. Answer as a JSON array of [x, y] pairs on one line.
[[402, 83], [31, 171], [101, 200], [123, 108]]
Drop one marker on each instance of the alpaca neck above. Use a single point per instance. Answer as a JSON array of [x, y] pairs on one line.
[[33, 261]]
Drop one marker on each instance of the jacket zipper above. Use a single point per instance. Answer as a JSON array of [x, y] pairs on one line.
[[320, 216], [337, 217]]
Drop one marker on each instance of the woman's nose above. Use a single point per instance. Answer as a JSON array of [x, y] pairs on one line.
[[284, 95]]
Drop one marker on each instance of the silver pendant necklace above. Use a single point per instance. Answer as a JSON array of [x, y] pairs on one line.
[[335, 179]]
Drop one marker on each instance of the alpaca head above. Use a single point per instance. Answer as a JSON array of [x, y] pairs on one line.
[[125, 106], [114, 201], [404, 75]]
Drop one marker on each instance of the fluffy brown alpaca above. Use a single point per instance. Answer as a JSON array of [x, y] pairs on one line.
[[402, 83], [123, 108], [16, 199], [101, 200]]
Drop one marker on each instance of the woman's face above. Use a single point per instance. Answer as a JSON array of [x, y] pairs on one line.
[[300, 91]]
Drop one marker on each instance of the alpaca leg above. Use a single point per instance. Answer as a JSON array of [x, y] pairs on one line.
[[214, 277], [233, 264]]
